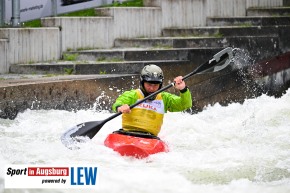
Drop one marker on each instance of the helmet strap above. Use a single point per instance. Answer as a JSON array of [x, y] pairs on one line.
[[146, 93]]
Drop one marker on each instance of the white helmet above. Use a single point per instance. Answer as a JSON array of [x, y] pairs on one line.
[[151, 73]]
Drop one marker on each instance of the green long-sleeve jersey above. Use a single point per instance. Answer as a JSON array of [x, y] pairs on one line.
[[172, 102]]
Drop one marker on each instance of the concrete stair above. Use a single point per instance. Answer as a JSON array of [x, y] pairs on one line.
[[249, 21], [274, 11], [224, 31], [133, 55], [119, 61], [267, 44], [258, 34], [89, 67]]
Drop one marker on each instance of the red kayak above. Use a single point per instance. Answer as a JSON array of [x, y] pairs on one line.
[[137, 147]]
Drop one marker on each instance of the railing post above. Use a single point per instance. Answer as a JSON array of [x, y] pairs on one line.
[[2, 13], [54, 8], [15, 13]]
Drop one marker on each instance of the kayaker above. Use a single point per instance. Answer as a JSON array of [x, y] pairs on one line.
[[147, 117]]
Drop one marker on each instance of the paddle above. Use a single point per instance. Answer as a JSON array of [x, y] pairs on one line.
[[90, 129]]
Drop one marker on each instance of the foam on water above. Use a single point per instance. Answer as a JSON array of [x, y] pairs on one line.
[[238, 148]]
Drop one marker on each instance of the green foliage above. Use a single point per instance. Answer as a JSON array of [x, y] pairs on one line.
[[218, 35], [33, 23], [133, 3], [100, 59], [68, 70], [82, 13], [49, 75], [70, 57], [104, 59], [103, 72], [162, 46], [246, 24]]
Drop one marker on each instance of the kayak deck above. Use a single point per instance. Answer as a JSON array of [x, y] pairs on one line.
[[137, 147]]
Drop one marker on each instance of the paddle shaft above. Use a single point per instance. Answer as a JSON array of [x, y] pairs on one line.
[[204, 67], [218, 62]]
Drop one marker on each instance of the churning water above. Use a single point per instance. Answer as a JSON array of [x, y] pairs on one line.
[[239, 148]]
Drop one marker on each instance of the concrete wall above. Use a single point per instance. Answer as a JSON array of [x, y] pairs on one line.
[[68, 95], [263, 3], [100, 32], [134, 21], [194, 12], [82, 32], [226, 8], [4, 66], [29, 45], [183, 13]]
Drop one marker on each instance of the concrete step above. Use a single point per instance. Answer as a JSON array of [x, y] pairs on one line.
[[31, 79], [193, 56], [225, 31], [273, 11], [136, 54], [190, 42], [248, 21], [268, 45], [90, 67]]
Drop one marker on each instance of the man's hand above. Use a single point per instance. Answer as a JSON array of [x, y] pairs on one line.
[[179, 83], [124, 109]]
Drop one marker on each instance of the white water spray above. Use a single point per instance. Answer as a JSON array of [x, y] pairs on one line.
[[239, 148]]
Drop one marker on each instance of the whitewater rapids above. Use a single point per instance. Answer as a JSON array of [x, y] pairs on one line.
[[238, 148]]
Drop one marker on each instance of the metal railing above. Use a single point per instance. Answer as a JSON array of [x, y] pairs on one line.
[[2, 13], [15, 19]]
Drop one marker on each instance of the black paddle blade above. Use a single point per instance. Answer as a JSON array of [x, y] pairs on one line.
[[81, 133], [88, 129], [223, 59], [72, 142], [219, 61]]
